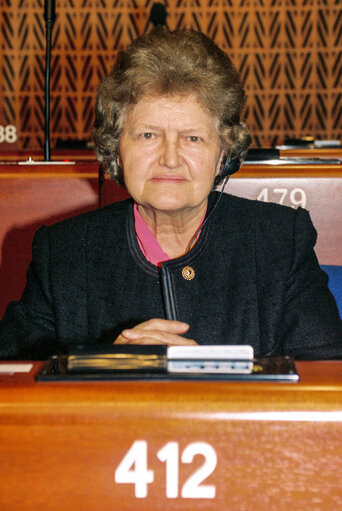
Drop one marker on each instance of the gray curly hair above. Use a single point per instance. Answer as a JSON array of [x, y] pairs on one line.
[[162, 63]]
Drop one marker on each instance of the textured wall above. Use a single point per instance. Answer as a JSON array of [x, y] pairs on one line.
[[287, 51]]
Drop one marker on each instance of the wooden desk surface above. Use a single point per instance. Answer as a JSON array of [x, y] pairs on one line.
[[317, 152], [56, 155], [278, 446], [288, 171]]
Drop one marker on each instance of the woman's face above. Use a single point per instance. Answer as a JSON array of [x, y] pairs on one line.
[[170, 153]]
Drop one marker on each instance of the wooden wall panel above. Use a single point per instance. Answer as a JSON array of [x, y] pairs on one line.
[[287, 51]]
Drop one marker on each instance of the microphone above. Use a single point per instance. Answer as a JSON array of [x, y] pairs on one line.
[[158, 14], [49, 11]]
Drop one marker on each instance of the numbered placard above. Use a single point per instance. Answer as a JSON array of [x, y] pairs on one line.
[[294, 197], [133, 469], [8, 134]]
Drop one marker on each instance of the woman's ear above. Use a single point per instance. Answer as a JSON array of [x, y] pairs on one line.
[[220, 163], [119, 161]]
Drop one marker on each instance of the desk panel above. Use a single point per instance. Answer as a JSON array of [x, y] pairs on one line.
[[32, 196], [316, 188], [315, 152], [278, 446]]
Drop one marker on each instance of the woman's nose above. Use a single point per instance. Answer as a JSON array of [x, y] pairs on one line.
[[170, 156]]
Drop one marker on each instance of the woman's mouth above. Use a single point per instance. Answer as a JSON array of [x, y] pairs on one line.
[[165, 178]]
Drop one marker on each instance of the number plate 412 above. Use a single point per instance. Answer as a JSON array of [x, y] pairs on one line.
[[133, 469]]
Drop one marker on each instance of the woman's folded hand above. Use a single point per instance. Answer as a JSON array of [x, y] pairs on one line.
[[156, 331]]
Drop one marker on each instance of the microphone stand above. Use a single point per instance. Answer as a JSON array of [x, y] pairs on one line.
[[49, 17]]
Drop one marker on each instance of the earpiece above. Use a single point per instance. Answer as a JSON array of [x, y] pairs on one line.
[[230, 167]]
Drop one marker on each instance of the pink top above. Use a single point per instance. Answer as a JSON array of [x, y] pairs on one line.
[[147, 241]]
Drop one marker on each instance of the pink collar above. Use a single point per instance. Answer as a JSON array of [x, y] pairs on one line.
[[147, 242]]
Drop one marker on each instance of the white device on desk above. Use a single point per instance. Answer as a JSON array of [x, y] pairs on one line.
[[210, 359]]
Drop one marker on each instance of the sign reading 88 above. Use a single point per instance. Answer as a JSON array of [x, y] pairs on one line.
[[8, 134]]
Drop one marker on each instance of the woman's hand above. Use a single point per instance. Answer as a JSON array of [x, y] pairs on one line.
[[156, 331]]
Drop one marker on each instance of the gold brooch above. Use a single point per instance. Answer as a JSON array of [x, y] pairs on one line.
[[188, 273]]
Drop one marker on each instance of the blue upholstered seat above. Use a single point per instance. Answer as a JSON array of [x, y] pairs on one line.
[[335, 283]]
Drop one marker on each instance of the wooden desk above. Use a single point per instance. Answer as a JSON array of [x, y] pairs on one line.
[[316, 152], [278, 446], [56, 155], [317, 188], [32, 196]]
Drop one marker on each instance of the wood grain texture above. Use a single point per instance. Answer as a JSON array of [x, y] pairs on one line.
[[279, 446]]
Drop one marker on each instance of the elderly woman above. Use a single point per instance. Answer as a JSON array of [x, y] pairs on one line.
[[177, 263]]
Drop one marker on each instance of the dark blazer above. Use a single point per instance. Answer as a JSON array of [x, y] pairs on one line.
[[257, 281]]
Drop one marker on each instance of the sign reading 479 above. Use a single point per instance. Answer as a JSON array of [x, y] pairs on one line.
[[133, 469]]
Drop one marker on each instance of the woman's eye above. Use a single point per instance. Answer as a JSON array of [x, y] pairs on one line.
[[147, 135], [194, 138]]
